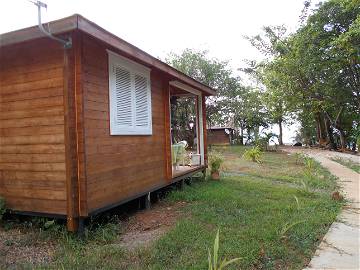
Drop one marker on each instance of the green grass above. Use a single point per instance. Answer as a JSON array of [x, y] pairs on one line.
[[264, 214], [348, 163]]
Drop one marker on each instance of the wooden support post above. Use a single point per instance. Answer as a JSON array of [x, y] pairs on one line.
[[147, 201], [188, 180], [81, 228], [70, 140], [204, 174], [167, 135], [181, 184], [158, 196]]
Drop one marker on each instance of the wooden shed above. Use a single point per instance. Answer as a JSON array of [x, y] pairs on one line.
[[219, 135], [87, 127]]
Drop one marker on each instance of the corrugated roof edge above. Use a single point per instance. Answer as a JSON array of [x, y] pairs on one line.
[[77, 21]]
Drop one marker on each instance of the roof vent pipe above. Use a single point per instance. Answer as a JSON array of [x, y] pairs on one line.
[[67, 43]]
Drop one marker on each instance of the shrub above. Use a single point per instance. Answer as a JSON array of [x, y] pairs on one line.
[[2, 207], [215, 161], [254, 154]]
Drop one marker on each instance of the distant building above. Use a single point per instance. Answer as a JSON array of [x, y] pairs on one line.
[[220, 135]]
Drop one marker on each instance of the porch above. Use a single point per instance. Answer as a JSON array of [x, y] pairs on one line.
[[186, 128]]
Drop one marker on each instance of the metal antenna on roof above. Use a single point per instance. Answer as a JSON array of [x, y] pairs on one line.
[[66, 42]]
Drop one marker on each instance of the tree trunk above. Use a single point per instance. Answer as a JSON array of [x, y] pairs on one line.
[[256, 133], [342, 140], [336, 124], [329, 132], [318, 131], [321, 130], [280, 132], [241, 136]]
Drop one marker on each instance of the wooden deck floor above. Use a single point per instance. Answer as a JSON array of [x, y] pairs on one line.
[[182, 170]]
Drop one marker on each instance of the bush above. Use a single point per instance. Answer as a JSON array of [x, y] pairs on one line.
[[2, 207], [254, 154], [215, 161]]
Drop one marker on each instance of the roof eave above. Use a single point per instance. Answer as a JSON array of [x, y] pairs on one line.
[[57, 27]]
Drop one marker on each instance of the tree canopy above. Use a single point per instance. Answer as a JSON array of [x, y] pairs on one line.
[[311, 76]]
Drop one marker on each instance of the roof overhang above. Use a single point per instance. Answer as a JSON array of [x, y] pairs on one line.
[[185, 87], [77, 22]]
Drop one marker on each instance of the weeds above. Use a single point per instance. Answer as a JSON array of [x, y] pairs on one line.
[[288, 226], [309, 168], [214, 263], [297, 202]]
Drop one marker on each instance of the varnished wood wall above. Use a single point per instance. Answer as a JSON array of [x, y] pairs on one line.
[[32, 151], [40, 163], [118, 167]]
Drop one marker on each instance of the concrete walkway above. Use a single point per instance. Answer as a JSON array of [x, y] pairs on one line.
[[340, 247]]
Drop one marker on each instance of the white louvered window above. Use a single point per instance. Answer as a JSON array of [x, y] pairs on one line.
[[130, 97]]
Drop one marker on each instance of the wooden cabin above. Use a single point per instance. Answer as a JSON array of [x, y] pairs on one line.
[[219, 135], [87, 127]]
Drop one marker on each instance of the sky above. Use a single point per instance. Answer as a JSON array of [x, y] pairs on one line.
[[163, 26]]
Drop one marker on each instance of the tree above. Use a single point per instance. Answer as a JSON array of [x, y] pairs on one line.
[[212, 72], [234, 104], [272, 43], [317, 70]]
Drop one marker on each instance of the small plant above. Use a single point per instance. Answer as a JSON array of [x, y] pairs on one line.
[[288, 226], [254, 154], [2, 207], [309, 168], [214, 263], [297, 202], [215, 161], [305, 185]]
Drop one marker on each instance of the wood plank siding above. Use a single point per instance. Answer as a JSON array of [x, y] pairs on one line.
[[32, 148], [118, 167], [217, 136]]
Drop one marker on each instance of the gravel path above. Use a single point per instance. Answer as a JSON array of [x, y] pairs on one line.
[[340, 248]]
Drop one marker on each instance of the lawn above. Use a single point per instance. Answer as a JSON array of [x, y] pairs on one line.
[[269, 214], [348, 163]]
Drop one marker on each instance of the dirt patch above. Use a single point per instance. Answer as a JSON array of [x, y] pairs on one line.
[[145, 227], [26, 246], [17, 246]]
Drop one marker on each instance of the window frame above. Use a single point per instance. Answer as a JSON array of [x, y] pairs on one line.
[[134, 69]]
